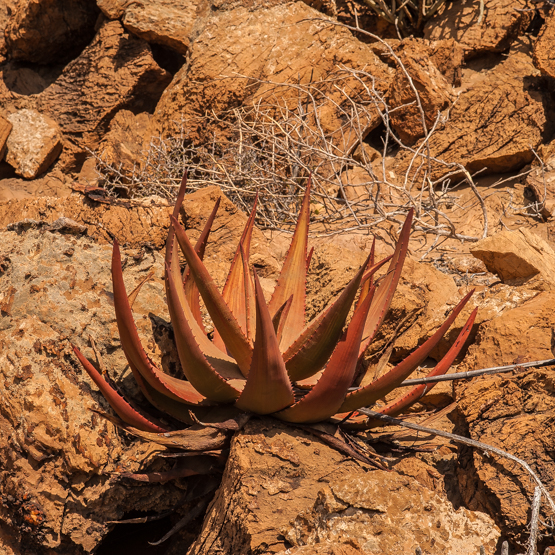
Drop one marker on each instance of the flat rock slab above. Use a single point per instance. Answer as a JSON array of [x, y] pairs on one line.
[[34, 143]]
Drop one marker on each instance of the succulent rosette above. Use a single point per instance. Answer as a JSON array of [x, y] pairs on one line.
[[263, 358]]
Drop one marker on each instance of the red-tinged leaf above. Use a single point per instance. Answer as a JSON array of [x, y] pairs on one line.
[[238, 291], [134, 294], [310, 352], [370, 281], [407, 400], [175, 388], [327, 396], [176, 209], [224, 320], [309, 258], [122, 408], [369, 394], [384, 293], [200, 369], [189, 285], [280, 318], [268, 388], [292, 279]]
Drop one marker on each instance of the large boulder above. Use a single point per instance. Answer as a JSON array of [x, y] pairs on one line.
[[544, 57], [116, 70], [283, 488], [490, 26], [50, 31], [244, 55]]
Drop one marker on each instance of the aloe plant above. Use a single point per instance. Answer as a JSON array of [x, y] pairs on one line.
[[264, 359]]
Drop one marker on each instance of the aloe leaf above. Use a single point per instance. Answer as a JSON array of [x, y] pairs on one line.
[[327, 396], [407, 400], [370, 281], [135, 293], [122, 408], [386, 290], [280, 317], [292, 279], [268, 388], [189, 285], [238, 290], [196, 366], [309, 258], [310, 352], [388, 382], [174, 388], [224, 320]]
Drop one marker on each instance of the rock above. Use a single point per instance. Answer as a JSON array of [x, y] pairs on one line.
[[166, 22], [115, 71], [448, 56], [112, 9], [540, 183], [5, 130], [54, 184], [502, 21], [34, 143], [252, 43], [544, 57], [493, 126], [357, 183], [4, 17], [50, 31], [510, 411], [434, 92], [124, 146], [516, 256], [282, 487], [58, 456]]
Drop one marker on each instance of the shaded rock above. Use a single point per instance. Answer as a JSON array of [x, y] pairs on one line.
[[115, 71], [112, 9], [34, 143], [540, 183], [516, 255], [510, 411], [124, 146], [493, 126], [5, 130], [50, 31], [278, 490], [434, 92], [493, 31], [252, 43], [54, 184], [448, 56], [544, 57], [166, 22]]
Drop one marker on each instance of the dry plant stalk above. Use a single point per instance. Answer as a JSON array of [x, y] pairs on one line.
[[271, 147]]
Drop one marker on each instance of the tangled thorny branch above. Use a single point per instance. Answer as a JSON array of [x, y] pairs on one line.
[[321, 128]]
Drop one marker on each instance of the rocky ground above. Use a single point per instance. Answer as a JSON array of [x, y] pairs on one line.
[[87, 86]]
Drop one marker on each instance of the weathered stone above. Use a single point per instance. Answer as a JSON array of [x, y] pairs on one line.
[[491, 31], [433, 90], [251, 43], [494, 126], [512, 412], [53, 184], [57, 455], [34, 143], [516, 256], [540, 183], [50, 31], [448, 56], [5, 130], [115, 71], [272, 495], [544, 56], [125, 144], [166, 22]]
